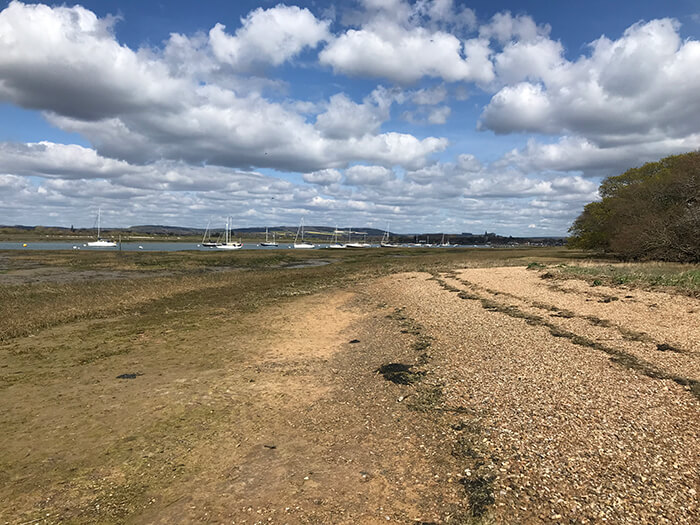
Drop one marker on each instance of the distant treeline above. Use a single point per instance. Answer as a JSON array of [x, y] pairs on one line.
[[651, 212]]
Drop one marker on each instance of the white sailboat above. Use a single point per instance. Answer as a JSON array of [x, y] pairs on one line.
[[228, 244], [354, 244], [101, 243], [335, 244], [302, 244], [386, 243], [444, 244], [267, 241]]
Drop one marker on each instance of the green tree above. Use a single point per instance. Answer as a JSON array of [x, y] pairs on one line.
[[650, 212]]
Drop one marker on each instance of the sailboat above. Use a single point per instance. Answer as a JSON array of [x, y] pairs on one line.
[[335, 244], [101, 243], [206, 239], [301, 244], [444, 244], [385, 240], [228, 244], [267, 241], [352, 244]]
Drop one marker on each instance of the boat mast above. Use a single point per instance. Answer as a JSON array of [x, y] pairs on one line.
[[206, 232]]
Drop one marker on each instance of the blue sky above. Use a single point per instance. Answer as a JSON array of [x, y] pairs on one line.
[[434, 115]]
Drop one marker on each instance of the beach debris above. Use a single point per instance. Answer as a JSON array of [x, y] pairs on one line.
[[132, 375], [400, 373], [664, 347]]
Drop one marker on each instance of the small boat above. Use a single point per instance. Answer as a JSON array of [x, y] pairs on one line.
[[355, 244], [228, 244], [335, 244], [206, 239], [302, 244], [268, 242], [444, 244], [101, 243], [386, 243]]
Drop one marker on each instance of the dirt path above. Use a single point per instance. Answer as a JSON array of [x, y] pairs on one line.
[[280, 417]]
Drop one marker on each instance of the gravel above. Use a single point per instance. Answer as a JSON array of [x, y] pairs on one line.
[[558, 432]]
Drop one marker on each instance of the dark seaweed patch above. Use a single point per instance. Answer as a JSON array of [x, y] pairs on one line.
[[129, 375], [400, 373]]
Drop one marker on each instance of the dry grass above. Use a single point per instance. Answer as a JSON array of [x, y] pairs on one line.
[[681, 277]]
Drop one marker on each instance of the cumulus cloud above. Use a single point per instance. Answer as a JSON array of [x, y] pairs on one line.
[[429, 96], [392, 44], [638, 88], [345, 119], [68, 161], [578, 154], [505, 27], [368, 175], [323, 177], [268, 36], [136, 106], [67, 60]]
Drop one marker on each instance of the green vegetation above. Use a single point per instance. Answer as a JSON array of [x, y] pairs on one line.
[[683, 277], [647, 213], [98, 285]]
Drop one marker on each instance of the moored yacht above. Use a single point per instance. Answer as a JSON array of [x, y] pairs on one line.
[[302, 244], [228, 244], [100, 243]]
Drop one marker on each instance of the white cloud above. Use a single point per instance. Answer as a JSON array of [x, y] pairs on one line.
[[268, 36], [67, 60], [439, 115], [368, 175], [429, 96], [344, 119], [391, 44], [140, 107], [68, 161], [638, 88], [505, 27], [528, 60], [323, 177], [577, 154], [523, 107]]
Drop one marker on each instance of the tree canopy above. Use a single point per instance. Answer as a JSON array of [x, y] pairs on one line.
[[650, 212]]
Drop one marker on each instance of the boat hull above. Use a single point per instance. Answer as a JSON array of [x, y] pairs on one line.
[[303, 246], [102, 244]]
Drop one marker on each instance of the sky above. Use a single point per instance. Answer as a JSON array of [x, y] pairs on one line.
[[426, 116]]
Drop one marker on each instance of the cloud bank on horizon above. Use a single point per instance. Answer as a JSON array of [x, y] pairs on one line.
[[421, 114]]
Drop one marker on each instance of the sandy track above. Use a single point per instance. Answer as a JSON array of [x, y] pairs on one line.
[[559, 432], [274, 418]]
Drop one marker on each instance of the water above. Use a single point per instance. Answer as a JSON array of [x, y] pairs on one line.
[[127, 246], [152, 247]]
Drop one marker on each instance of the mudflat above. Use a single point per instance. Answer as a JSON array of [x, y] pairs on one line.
[[428, 386]]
